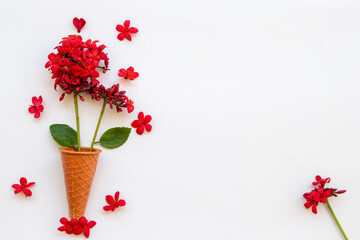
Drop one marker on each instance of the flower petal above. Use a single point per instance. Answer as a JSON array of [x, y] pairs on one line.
[[140, 130], [27, 192], [121, 203], [141, 116], [32, 109], [120, 28], [127, 36], [127, 24], [109, 199], [121, 36], [147, 119], [23, 181], [91, 224], [117, 194], [148, 127], [108, 208], [133, 30]]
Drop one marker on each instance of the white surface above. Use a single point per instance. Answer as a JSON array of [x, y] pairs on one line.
[[250, 100]]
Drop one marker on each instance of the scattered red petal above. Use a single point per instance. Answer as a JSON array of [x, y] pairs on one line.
[[125, 31], [37, 108], [79, 23], [23, 187], [128, 73], [142, 123], [114, 202]]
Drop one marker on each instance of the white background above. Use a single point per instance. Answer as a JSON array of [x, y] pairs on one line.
[[250, 100]]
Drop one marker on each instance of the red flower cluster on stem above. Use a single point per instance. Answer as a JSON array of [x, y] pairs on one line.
[[75, 65], [112, 96], [76, 226], [320, 194]]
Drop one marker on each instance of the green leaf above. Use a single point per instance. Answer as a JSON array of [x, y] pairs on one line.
[[64, 135], [115, 137]]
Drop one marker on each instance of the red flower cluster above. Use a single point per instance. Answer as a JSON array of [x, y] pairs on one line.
[[114, 202], [74, 66], [113, 96], [125, 31], [128, 73], [23, 187], [142, 123], [320, 194], [79, 23], [75, 226], [37, 108]]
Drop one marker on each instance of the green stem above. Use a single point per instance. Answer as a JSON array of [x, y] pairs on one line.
[[77, 120], [335, 218], [98, 124]]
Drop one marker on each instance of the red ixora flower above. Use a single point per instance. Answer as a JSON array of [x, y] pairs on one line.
[[125, 30], [114, 202], [142, 123], [70, 227], [23, 186], [320, 194], [128, 73], [76, 226], [79, 23], [86, 225], [37, 108]]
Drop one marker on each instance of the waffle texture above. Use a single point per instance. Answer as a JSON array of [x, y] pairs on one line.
[[79, 170]]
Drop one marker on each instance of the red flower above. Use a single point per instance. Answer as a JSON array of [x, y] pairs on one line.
[[142, 123], [79, 23], [125, 31], [70, 227], [320, 194], [128, 73], [37, 107], [310, 202], [85, 226], [114, 202], [320, 181], [23, 187]]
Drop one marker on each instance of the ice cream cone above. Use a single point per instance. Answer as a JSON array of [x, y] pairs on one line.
[[79, 170]]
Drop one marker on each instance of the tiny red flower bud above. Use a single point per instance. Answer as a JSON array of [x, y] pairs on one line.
[[62, 96]]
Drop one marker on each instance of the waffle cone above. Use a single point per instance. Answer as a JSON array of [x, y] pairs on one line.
[[79, 170]]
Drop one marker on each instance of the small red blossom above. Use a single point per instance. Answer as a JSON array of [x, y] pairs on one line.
[[128, 73], [125, 30], [320, 181], [142, 123], [70, 227], [37, 108], [23, 186], [86, 226], [79, 23], [320, 194], [114, 202]]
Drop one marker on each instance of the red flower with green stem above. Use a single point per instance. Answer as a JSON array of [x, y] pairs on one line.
[[322, 195], [75, 68]]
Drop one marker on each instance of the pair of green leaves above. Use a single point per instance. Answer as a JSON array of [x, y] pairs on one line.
[[65, 136]]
